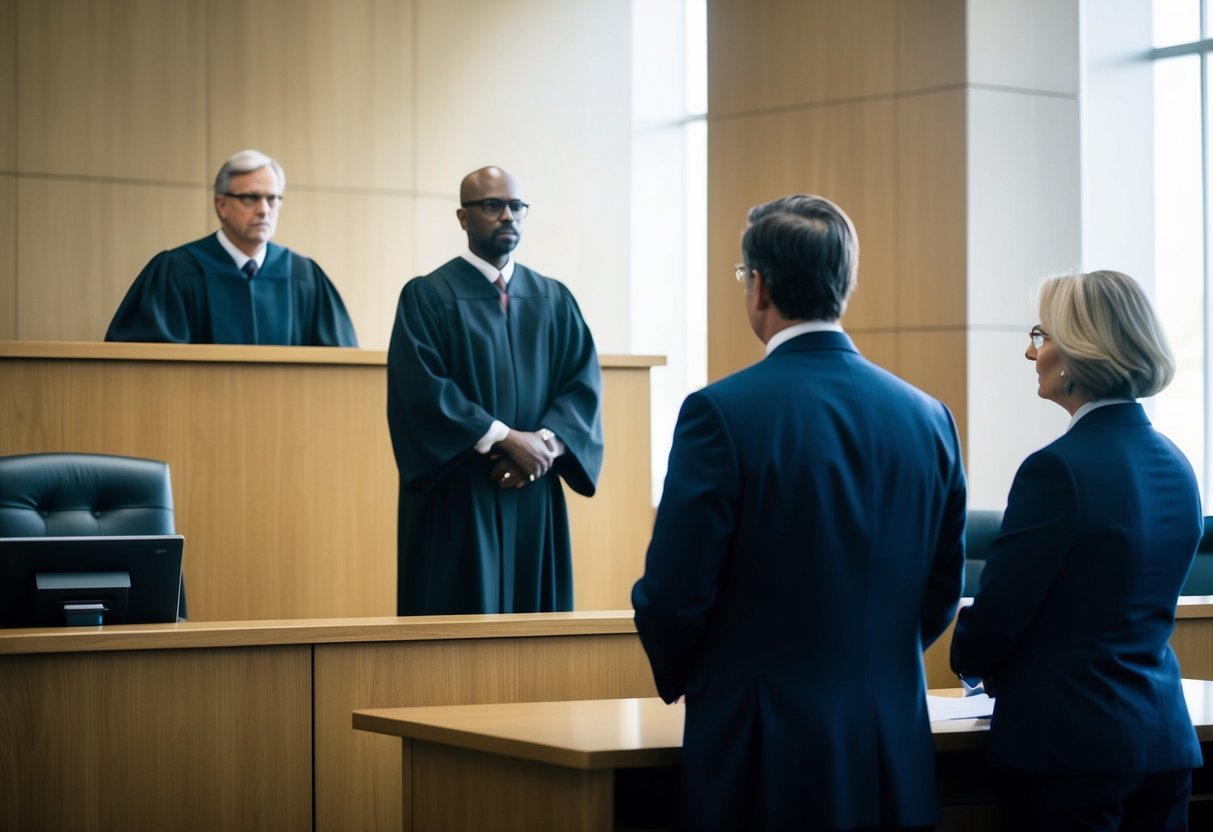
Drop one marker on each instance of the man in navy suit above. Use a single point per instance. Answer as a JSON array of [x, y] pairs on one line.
[[808, 546]]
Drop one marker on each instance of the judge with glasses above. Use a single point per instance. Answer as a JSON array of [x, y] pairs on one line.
[[235, 286], [494, 398]]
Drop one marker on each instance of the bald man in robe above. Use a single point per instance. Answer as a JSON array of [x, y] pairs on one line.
[[494, 397]]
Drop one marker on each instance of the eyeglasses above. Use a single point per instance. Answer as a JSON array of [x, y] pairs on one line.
[[496, 207], [1038, 337], [253, 200], [741, 271]]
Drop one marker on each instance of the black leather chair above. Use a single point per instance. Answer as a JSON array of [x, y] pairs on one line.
[[1200, 578], [982, 527], [67, 495]]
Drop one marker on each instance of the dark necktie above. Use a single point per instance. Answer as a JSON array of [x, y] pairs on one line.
[[249, 268], [505, 298]]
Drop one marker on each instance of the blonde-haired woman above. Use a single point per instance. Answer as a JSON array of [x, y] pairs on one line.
[[1070, 628]]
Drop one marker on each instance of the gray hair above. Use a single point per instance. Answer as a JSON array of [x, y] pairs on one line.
[[246, 161], [1107, 334]]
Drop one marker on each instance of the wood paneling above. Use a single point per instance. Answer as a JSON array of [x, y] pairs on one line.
[[8, 257], [609, 545], [324, 87], [362, 243], [8, 88], [178, 739], [849, 101], [112, 88], [846, 153], [935, 362], [779, 53], [358, 774], [931, 44], [104, 231], [929, 281], [283, 475]]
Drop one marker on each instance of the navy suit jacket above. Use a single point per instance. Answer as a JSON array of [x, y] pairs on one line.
[[808, 546], [1070, 627]]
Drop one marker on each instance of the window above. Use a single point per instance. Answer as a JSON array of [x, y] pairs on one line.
[[1182, 224]]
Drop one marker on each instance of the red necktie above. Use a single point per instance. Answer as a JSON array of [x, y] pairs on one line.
[[505, 298]]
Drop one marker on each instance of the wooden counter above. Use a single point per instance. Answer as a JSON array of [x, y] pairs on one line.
[[283, 475], [613, 764], [246, 725]]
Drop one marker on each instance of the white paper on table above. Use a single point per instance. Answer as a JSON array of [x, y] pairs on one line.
[[943, 708]]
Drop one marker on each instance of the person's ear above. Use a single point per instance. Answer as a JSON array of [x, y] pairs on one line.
[[462, 214], [762, 295]]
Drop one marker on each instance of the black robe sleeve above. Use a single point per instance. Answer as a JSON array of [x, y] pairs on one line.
[[575, 414], [163, 303], [328, 323], [433, 424]]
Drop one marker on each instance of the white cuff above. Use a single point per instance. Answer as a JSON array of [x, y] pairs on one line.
[[496, 432]]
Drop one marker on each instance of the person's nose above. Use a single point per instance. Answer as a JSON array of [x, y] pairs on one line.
[[506, 214], [1030, 352]]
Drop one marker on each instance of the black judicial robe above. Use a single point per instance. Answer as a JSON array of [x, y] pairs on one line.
[[194, 294], [457, 362]]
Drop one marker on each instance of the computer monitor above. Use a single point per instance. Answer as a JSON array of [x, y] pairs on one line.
[[57, 581]]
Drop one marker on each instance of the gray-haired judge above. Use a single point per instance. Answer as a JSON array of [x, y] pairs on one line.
[[235, 286]]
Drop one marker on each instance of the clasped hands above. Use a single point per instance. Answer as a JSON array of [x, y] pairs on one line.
[[522, 457]]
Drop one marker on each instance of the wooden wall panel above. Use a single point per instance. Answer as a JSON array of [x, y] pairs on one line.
[[363, 242], [114, 230], [929, 283], [550, 102], [765, 54], [324, 87], [864, 104], [846, 153], [8, 86], [8, 257], [177, 739], [936, 361], [880, 348], [112, 88], [931, 44], [358, 774], [609, 546]]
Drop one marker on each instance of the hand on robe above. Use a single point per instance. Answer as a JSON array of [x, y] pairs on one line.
[[529, 454], [506, 474]]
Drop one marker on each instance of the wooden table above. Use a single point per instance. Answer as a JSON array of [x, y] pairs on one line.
[[613, 764]]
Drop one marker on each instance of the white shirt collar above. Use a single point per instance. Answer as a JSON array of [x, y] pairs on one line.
[[1095, 405], [800, 329], [488, 269], [239, 256]]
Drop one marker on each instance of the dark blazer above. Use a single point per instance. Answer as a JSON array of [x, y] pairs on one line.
[[808, 546], [1070, 628]]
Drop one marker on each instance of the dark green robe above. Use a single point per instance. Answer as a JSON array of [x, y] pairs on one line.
[[194, 294], [456, 363]]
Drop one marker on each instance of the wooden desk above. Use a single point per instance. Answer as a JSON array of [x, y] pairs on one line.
[[246, 725], [612, 764], [283, 475]]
